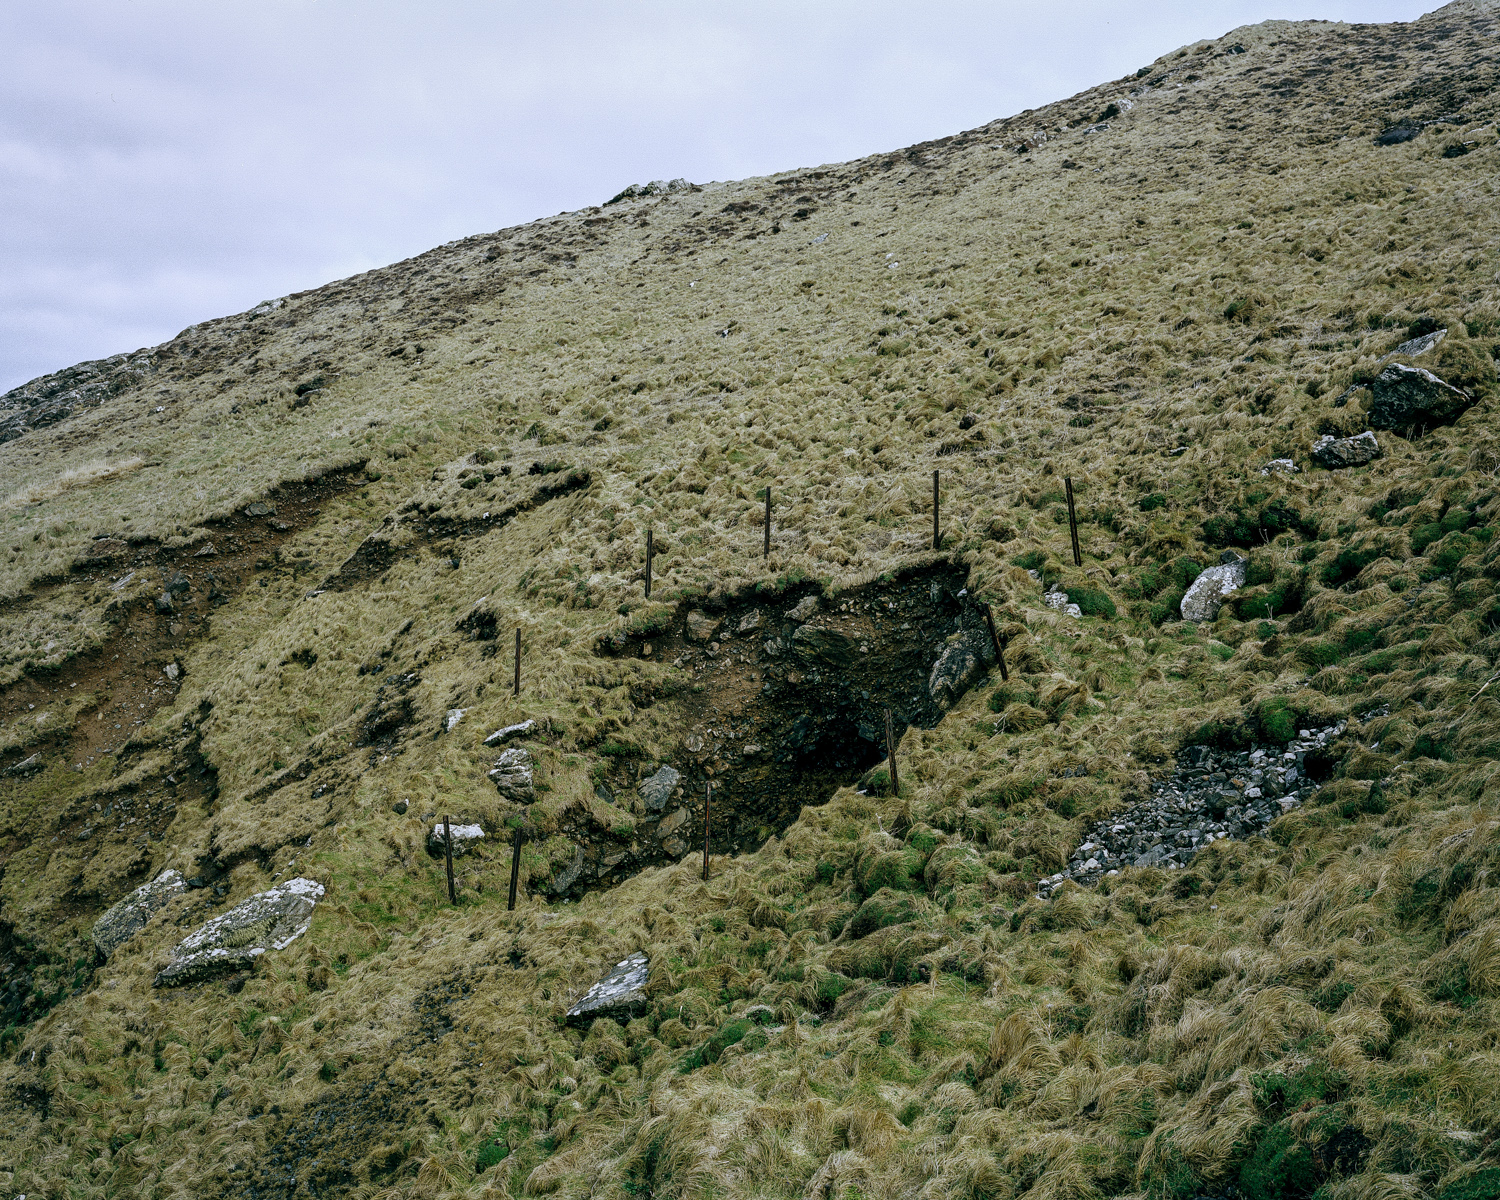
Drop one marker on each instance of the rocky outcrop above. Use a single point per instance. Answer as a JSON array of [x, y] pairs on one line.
[[232, 942], [465, 838], [1407, 397], [658, 789], [1209, 591], [125, 919], [512, 776], [621, 994], [959, 667], [1333, 452], [1211, 795]]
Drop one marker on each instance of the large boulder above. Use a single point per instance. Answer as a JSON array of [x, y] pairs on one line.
[[129, 916], [957, 668], [1212, 588], [465, 838], [658, 789], [512, 777], [232, 942], [1410, 396], [621, 994], [1333, 453]]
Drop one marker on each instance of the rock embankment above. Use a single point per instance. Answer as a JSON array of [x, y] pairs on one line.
[[1210, 795]]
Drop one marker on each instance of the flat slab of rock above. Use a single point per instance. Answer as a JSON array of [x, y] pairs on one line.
[[465, 838], [1333, 453], [1407, 396], [125, 919], [512, 776], [232, 942], [621, 994], [1211, 589], [510, 732], [658, 789]]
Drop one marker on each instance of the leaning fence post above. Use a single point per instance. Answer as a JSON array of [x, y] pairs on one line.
[[766, 553], [708, 800], [515, 870], [890, 745], [448, 854], [649, 550], [1073, 523], [937, 538], [989, 619], [517, 691]]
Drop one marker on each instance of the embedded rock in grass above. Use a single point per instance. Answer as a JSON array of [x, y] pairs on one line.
[[232, 942], [124, 919], [103, 549], [565, 878], [700, 626], [1421, 345], [621, 994], [1059, 601], [1410, 396], [455, 715], [465, 838], [958, 667], [657, 790], [508, 732], [1285, 466], [511, 776], [27, 766], [1333, 453], [1209, 591]]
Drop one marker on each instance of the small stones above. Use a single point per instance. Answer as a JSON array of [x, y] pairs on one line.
[[128, 916], [510, 732], [512, 776], [1334, 453], [1209, 591], [621, 994], [465, 838], [271, 920], [658, 789]]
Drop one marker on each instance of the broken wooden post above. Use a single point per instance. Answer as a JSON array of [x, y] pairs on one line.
[[708, 801], [517, 691], [890, 746], [1073, 524], [448, 854], [515, 870], [937, 538], [648, 564], [989, 619], [766, 553]]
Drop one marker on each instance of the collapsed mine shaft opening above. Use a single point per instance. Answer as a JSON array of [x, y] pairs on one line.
[[784, 701]]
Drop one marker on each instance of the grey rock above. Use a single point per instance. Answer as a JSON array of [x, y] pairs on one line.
[[179, 584], [27, 766], [1283, 466], [672, 822], [621, 994], [956, 670], [1333, 453], [171, 671], [512, 775], [827, 645], [1209, 591], [658, 789], [126, 918], [1421, 345], [232, 942], [164, 602], [565, 878], [749, 623], [675, 847], [258, 508], [803, 610], [465, 838], [700, 626], [509, 732], [455, 715], [1407, 396], [1059, 601]]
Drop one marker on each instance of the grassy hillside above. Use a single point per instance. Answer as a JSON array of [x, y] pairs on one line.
[[1152, 289]]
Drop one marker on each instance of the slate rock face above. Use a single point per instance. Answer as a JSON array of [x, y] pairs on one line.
[[125, 919], [828, 646], [232, 942], [621, 994], [512, 776], [956, 670], [1211, 588], [1407, 396], [1333, 453], [657, 790], [465, 838]]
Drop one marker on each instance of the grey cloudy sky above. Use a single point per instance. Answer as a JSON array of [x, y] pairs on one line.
[[167, 161]]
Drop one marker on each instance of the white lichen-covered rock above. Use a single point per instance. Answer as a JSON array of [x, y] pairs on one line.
[[508, 733], [658, 789], [1281, 466], [1210, 589], [465, 838], [621, 994], [455, 715], [269, 921], [1333, 453], [512, 776], [129, 916], [1059, 601]]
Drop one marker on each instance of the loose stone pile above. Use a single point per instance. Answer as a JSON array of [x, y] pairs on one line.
[[1211, 795]]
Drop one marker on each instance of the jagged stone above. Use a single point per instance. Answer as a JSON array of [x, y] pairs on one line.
[[1284, 466], [1209, 591], [1059, 601], [803, 609], [269, 921], [956, 670], [128, 916], [510, 732], [455, 715], [27, 766], [621, 994], [465, 838], [1333, 453], [512, 776], [1411, 396], [565, 878], [1421, 345], [827, 645], [700, 626], [658, 789], [750, 622]]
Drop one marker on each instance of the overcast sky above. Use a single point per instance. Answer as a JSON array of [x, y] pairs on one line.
[[166, 161]]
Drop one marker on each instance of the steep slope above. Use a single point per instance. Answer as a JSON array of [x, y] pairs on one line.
[[261, 586]]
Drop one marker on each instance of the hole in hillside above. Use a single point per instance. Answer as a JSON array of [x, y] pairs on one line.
[[782, 701]]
